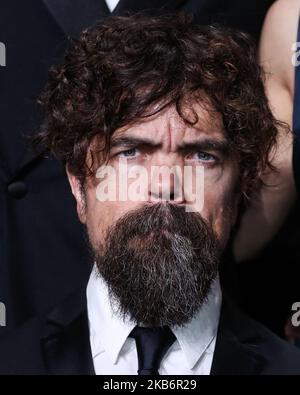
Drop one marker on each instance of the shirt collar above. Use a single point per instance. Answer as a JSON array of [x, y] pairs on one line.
[[196, 337], [108, 331]]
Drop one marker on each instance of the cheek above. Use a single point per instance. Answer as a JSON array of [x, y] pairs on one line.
[[100, 215], [220, 201]]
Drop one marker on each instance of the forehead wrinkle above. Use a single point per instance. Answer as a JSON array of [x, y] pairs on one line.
[[172, 129], [165, 130], [169, 129]]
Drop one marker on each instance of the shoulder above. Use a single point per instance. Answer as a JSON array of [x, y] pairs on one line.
[[278, 36], [20, 349], [280, 356], [282, 19]]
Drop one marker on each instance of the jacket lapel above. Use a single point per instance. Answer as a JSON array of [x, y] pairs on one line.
[[74, 15], [235, 351], [65, 342], [154, 6]]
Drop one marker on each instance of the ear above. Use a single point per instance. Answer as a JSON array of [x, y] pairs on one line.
[[78, 195]]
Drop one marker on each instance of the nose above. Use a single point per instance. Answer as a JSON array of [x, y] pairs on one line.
[[166, 184]]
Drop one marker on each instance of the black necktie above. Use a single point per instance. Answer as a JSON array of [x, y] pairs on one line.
[[152, 343]]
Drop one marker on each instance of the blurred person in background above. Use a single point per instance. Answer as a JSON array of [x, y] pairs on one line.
[[268, 241]]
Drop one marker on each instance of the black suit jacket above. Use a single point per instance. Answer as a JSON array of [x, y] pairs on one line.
[[58, 343], [42, 253]]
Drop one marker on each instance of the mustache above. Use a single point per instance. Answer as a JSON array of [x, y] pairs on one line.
[[163, 216]]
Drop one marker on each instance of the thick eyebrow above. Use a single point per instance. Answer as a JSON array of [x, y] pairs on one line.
[[133, 142], [221, 146]]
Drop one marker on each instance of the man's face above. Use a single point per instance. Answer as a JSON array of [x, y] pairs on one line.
[[163, 140]]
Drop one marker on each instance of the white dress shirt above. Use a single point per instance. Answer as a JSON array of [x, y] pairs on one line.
[[111, 4], [114, 353]]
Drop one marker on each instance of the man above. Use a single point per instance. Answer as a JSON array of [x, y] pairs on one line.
[[35, 203], [140, 94]]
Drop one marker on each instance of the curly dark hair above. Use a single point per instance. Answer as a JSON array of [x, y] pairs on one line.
[[117, 71]]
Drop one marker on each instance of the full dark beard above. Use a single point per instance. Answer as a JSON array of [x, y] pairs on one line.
[[159, 263]]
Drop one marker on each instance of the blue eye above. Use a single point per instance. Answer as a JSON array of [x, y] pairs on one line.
[[128, 153], [203, 156]]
